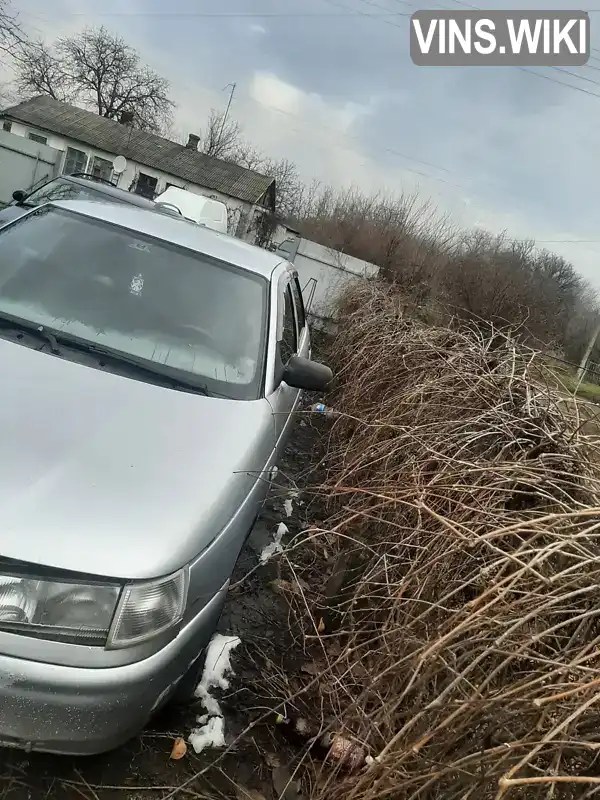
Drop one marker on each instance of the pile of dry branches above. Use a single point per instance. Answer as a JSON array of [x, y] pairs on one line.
[[465, 496]]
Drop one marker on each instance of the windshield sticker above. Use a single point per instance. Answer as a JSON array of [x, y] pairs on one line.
[[145, 248], [137, 284]]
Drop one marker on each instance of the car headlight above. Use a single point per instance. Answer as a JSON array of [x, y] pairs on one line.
[[92, 614], [68, 612]]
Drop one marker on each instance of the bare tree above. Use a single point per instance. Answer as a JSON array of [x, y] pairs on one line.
[[11, 32], [39, 71], [288, 186], [12, 37], [101, 71], [221, 137]]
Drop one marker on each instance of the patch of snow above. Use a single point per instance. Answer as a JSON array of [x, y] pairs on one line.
[[212, 734], [275, 546], [216, 666]]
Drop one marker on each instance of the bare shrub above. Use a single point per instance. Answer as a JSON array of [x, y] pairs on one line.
[[465, 494], [490, 280], [502, 282], [406, 237]]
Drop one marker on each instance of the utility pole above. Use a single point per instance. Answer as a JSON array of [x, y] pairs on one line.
[[587, 354], [233, 85]]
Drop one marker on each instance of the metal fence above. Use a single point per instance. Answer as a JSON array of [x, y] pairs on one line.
[[24, 163]]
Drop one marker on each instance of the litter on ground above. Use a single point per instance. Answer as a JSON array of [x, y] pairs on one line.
[[275, 546]]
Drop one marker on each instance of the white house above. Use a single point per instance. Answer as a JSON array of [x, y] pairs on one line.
[[89, 143]]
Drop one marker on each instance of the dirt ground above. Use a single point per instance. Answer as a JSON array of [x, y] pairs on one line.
[[142, 770]]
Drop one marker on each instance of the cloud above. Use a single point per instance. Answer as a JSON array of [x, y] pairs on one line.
[[338, 94]]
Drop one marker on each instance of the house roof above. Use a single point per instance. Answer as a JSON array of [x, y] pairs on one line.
[[146, 148]]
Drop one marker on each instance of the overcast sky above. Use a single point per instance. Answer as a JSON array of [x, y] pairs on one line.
[[330, 85]]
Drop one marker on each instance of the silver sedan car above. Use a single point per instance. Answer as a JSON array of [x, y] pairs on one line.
[[150, 369]]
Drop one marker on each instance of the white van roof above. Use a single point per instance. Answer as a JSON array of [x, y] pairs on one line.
[[197, 208]]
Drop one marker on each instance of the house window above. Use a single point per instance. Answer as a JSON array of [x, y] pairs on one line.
[[146, 185], [75, 161], [101, 168], [35, 137], [7, 125]]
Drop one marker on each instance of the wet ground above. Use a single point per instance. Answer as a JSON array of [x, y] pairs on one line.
[[257, 613]]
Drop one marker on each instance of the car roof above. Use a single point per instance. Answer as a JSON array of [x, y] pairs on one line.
[[179, 231], [112, 191]]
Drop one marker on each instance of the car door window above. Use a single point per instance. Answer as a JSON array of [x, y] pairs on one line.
[[289, 343], [299, 303]]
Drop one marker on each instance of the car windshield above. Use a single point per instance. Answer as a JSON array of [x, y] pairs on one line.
[[61, 189], [139, 296]]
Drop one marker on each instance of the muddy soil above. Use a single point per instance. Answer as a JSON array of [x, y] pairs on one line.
[[142, 770]]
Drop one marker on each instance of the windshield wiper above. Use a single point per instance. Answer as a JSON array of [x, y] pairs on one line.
[[8, 322], [166, 374], [59, 342]]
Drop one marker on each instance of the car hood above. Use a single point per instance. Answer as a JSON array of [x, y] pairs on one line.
[[111, 476], [11, 212]]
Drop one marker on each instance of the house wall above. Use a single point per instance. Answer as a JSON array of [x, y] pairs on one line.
[[239, 213]]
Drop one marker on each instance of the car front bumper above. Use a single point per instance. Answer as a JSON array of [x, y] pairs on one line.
[[75, 711]]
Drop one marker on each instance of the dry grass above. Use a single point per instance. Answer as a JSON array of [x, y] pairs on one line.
[[466, 497]]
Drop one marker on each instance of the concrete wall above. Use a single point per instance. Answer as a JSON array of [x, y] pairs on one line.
[[24, 163], [238, 211], [323, 274]]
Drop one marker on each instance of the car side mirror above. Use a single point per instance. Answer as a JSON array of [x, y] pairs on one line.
[[18, 195], [302, 373]]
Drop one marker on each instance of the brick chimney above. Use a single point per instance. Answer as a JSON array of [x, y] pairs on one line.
[[193, 141]]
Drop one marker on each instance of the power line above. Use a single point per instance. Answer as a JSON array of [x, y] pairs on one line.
[[365, 14], [575, 75], [558, 69], [375, 146], [408, 169], [229, 14], [371, 145], [555, 80]]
